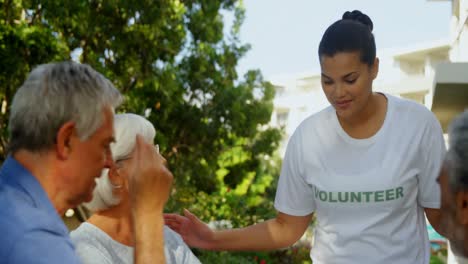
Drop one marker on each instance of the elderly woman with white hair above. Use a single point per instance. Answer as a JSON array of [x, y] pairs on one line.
[[107, 236]]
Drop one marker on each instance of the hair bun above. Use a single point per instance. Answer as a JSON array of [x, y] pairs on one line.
[[360, 17]]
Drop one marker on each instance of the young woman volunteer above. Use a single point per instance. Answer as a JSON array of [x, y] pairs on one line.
[[366, 167]]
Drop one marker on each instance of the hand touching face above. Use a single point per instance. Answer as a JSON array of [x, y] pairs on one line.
[[150, 180]]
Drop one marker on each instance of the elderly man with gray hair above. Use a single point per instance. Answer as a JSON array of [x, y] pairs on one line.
[[61, 128], [107, 236], [453, 181]]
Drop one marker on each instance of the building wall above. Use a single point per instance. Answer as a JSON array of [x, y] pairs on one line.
[[295, 100], [459, 31]]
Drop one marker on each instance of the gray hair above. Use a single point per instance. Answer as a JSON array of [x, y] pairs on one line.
[[54, 94], [457, 156], [126, 127]]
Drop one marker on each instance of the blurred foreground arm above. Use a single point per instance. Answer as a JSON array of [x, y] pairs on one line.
[[150, 185]]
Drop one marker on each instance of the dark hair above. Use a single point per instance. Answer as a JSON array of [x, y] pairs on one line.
[[352, 33], [457, 156]]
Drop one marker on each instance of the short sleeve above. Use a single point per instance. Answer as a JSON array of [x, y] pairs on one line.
[[42, 247], [432, 156], [176, 250], [294, 196]]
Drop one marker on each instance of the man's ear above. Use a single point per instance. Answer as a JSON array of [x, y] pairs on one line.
[[64, 136], [461, 201]]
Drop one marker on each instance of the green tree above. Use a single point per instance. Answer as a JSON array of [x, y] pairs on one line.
[[175, 61], [24, 43]]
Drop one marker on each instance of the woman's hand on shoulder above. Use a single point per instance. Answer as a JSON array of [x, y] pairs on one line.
[[194, 232]]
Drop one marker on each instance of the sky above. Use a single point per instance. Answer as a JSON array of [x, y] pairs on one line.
[[284, 34]]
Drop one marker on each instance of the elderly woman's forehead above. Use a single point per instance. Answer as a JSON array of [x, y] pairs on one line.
[[126, 128]]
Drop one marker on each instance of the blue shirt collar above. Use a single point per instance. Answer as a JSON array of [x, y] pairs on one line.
[[15, 174]]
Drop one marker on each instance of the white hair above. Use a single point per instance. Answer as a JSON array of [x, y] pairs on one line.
[[126, 127]]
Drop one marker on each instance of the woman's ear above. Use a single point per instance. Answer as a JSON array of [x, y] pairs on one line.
[[375, 68]]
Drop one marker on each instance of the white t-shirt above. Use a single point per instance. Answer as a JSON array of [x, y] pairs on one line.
[[94, 246], [368, 195]]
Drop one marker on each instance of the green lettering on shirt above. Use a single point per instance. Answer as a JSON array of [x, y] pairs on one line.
[[355, 197], [345, 198], [323, 196], [399, 192], [390, 194], [367, 194], [359, 197], [379, 196]]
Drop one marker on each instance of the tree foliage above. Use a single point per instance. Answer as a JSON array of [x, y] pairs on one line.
[[175, 62]]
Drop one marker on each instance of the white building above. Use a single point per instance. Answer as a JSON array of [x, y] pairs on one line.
[[450, 89]]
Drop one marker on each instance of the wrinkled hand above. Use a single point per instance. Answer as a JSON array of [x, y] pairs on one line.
[[150, 180], [194, 232]]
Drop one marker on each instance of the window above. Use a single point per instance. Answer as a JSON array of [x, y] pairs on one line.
[[279, 90], [282, 118]]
